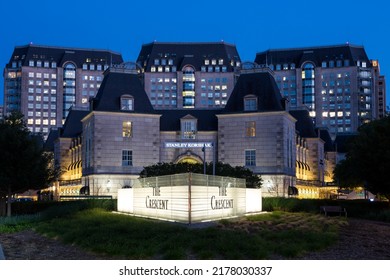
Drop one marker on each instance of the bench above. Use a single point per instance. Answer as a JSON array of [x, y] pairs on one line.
[[333, 209]]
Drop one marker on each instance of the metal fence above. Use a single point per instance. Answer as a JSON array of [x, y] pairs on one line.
[[185, 179]]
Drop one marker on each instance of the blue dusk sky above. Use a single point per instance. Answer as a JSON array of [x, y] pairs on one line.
[[253, 26]]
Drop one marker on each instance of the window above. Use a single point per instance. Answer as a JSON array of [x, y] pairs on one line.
[[31, 63], [127, 129], [250, 157], [127, 158], [250, 104], [250, 129], [127, 103], [188, 128]]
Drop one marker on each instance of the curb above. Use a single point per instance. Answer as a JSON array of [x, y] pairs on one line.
[[2, 257]]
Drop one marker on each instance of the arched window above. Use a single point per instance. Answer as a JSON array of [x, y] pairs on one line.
[[127, 103], [188, 87], [308, 86], [69, 97]]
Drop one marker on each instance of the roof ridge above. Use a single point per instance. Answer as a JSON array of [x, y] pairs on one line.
[[314, 47], [66, 48]]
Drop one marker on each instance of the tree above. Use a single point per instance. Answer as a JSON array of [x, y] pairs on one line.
[[221, 169], [24, 164], [367, 160]]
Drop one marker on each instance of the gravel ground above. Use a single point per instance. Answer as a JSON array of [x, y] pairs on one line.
[[360, 240]]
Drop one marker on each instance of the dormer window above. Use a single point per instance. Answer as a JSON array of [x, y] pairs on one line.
[[127, 103], [188, 127], [250, 103]]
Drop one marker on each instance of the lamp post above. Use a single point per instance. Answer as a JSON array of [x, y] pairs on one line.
[[213, 158], [204, 158]]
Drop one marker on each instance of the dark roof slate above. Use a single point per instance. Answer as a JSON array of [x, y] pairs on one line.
[[73, 126], [304, 124], [314, 54], [53, 135], [260, 84], [60, 55], [188, 53], [116, 84], [325, 136]]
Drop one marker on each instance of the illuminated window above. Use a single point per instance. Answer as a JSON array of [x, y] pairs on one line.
[[127, 158], [250, 129], [250, 157], [52, 122], [188, 128], [31, 63], [127, 129], [127, 103]]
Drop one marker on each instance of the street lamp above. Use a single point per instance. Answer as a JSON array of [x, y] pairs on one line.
[[204, 158]]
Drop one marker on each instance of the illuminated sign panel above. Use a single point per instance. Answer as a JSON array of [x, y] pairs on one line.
[[186, 145], [189, 203]]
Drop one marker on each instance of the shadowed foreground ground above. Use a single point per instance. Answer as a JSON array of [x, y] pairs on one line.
[[359, 240]]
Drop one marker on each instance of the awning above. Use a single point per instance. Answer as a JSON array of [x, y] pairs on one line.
[[292, 190], [84, 190]]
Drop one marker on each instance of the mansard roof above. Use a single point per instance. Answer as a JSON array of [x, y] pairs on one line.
[[304, 124], [73, 126], [118, 83], [183, 54], [325, 136], [261, 85], [314, 54], [60, 55]]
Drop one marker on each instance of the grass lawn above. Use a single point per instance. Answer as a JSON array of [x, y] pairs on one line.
[[288, 235]]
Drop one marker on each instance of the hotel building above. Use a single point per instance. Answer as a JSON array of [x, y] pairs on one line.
[[43, 82], [189, 75], [340, 85], [105, 147]]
